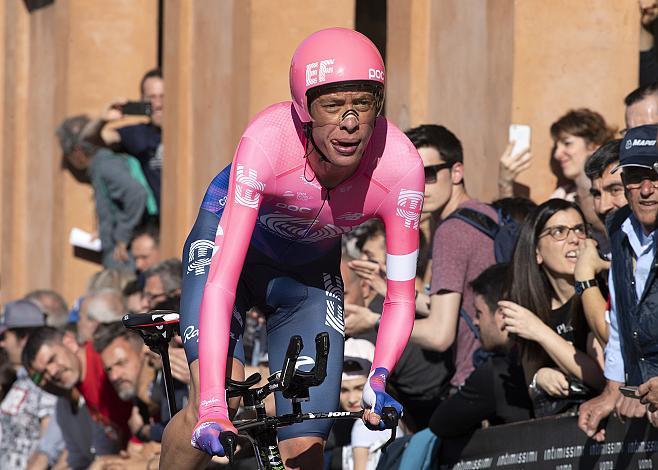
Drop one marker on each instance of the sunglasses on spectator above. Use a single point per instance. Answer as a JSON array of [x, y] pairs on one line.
[[432, 170], [561, 232], [634, 177]]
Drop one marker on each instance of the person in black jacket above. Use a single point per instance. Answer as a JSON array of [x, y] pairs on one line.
[[496, 391]]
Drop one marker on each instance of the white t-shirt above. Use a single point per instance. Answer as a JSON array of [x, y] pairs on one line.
[[372, 440]]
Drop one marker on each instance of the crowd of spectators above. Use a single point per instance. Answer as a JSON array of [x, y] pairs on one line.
[[523, 310]]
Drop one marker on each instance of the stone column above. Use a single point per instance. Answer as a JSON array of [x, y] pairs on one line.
[[59, 58]]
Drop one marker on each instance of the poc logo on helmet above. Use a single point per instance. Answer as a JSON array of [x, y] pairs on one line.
[[316, 72], [375, 73]]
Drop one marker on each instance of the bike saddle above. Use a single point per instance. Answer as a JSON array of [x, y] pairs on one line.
[[161, 324]]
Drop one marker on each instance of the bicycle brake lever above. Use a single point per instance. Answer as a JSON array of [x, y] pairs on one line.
[[228, 440], [390, 417]]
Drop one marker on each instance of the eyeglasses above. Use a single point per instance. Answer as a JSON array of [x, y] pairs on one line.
[[149, 296], [561, 232], [432, 170], [334, 108]]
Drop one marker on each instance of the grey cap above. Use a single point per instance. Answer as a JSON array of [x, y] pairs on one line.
[[21, 314]]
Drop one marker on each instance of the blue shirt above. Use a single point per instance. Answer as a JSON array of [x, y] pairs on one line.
[[144, 141], [644, 250]]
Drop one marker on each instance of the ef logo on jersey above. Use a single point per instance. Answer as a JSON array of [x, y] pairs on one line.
[[247, 187], [410, 204]]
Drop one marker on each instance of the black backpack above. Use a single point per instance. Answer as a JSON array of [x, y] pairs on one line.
[[503, 231]]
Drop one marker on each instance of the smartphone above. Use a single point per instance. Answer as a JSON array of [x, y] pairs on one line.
[[138, 108], [629, 391], [520, 134]]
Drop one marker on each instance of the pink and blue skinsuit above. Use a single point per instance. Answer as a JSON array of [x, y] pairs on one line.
[[268, 236]]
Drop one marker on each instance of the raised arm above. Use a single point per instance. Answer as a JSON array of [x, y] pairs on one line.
[[98, 133]]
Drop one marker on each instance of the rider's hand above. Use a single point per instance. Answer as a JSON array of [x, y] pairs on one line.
[[206, 436], [375, 398]]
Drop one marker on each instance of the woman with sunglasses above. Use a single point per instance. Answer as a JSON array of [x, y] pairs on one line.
[[559, 358]]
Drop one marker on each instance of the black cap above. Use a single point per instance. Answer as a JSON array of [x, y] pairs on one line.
[[638, 148]]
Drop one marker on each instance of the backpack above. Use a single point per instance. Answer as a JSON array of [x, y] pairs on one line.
[[503, 231], [417, 452]]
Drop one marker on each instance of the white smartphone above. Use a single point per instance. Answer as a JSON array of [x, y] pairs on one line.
[[520, 134]]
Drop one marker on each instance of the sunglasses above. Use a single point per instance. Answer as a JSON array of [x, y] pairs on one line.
[[432, 170], [633, 178]]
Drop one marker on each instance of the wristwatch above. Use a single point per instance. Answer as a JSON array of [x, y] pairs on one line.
[[581, 286]]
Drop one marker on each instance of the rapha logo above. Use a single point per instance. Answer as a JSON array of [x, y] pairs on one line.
[[189, 333], [200, 256], [409, 206], [247, 189], [316, 72], [209, 402]]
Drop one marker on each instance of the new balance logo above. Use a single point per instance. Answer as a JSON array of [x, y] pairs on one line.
[[248, 189], [410, 204]]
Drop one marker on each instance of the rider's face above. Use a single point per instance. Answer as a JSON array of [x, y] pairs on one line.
[[343, 122]]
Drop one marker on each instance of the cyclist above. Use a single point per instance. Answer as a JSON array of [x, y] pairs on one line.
[[268, 235]]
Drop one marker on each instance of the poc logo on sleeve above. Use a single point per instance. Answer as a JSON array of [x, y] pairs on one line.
[[316, 72], [375, 73]]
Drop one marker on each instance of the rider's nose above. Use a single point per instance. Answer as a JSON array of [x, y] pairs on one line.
[[350, 122]]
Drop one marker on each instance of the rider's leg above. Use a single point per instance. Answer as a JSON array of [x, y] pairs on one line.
[[306, 452], [177, 452], [306, 310]]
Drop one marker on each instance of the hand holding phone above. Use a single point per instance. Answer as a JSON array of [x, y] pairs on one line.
[[629, 392], [136, 108], [515, 159], [520, 134]]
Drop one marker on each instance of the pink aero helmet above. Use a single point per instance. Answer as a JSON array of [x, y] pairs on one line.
[[333, 56]]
